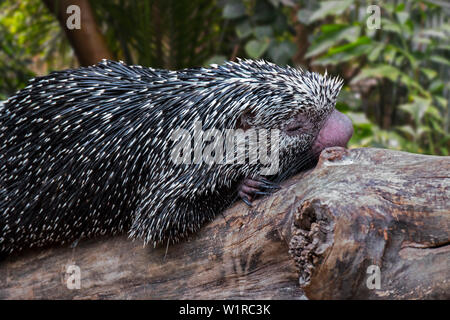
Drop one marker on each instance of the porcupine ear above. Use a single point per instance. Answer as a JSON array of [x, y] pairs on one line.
[[245, 121]]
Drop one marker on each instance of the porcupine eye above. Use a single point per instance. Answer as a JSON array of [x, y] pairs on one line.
[[293, 128], [298, 125]]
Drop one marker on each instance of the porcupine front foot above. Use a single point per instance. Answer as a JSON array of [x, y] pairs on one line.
[[251, 188]]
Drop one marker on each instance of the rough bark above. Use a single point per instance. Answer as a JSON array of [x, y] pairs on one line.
[[374, 207], [87, 42], [316, 237]]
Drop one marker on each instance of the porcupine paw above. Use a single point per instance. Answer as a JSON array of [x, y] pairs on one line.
[[251, 188]]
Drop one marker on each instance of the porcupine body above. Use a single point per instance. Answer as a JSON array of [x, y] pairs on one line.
[[86, 152]]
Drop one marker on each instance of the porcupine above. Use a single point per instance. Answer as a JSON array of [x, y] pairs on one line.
[[85, 152]]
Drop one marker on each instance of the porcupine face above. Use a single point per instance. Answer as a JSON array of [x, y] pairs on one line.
[[301, 105]]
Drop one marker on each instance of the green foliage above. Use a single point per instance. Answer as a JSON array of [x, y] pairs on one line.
[[397, 77], [324, 9], [170, 34], [401, 65], [262, 29], [15, 72], [29, 38]]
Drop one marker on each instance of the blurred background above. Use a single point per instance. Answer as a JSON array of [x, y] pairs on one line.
[[396, 66]]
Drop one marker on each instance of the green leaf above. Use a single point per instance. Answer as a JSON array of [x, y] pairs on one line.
[[392, 73], [346, 47], [422, 130], [332, 38], [288, 3], [389, 54], [444, 47], [400, 7], [233, 9], [429, 73], [380, 71], [262, 32], [330, 28], [434, 33], [409, 56], [320, 47], [340, 57], [217, 59], [256, 48], [441, 101], [441, 60], [304, 15], [417, 108], [375, 53], [436, 86], [7, 49], [408, 130], [402, 17], [281, 52], [445, 27], [422, 40], [434, 112], [330, 8], [437, 125], [388, 25], [389, 7], [358, 118], [243, 29]]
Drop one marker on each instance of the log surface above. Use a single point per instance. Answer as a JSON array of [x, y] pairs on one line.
[[380, 208], [314, 238]]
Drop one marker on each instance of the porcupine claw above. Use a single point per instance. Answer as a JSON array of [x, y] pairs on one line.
[[269, 184], [246, 201], [250, 188], [263, 193]]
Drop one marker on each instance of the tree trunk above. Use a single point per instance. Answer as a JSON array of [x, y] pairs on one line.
[[88, 42], [327, 234], [300, 39]]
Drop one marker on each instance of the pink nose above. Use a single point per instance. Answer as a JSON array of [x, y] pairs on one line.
[[336, 132]]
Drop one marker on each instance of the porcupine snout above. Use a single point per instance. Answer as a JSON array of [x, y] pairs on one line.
[[336, 132]]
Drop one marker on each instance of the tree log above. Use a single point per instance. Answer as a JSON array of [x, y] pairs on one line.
[[374, 207], [316, 238]]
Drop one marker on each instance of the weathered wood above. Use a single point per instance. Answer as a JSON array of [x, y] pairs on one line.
[[316, 236], [374, 207]]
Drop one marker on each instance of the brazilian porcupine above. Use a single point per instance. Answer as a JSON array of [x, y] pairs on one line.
[[85, 152]]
